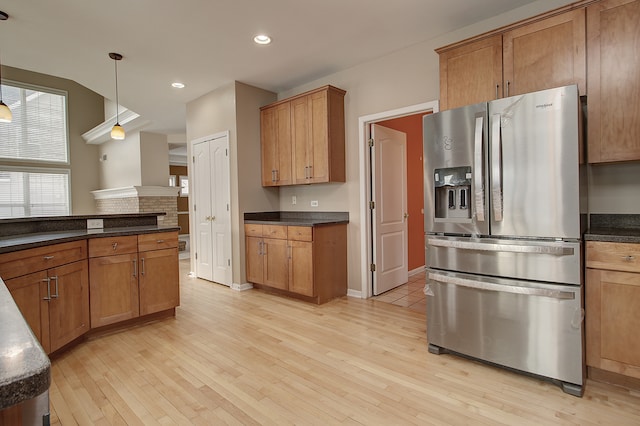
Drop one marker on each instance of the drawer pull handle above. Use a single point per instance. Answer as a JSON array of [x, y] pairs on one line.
[[160, 241], [629, 258], [114, 245], [48, 257]]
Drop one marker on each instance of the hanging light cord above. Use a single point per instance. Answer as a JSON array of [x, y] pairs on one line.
[[0, 79], [115, 61]]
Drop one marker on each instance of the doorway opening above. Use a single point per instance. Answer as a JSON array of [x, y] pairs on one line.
[[367, 188]]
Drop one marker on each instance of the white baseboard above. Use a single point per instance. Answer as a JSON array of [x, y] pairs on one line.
[[417, 270], [354, 293], [241, 287]]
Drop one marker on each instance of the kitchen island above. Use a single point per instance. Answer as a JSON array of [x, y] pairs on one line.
[[25, 370]]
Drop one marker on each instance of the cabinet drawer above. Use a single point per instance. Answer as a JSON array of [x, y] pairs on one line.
[[157, 241], [110, 246], [24, 262], [300, 233], [614, 256], [253, 230], [274, 231]]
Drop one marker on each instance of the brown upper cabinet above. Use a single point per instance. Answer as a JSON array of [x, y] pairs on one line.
[[538, 55], [302, 139], [613, 50]]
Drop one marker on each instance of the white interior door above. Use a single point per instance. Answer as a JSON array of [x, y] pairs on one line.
[[389, 169], [212, 209]]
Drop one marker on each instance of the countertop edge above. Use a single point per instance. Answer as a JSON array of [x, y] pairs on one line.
[[289, 222], [23, 242], [613, 235], [19, 351]]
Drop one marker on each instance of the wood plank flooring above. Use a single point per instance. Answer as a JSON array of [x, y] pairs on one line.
[[249, 358]]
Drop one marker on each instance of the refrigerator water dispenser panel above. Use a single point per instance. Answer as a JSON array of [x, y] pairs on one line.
[[452, 191]]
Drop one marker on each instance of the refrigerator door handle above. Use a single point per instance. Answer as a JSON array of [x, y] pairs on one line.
[[481, 285], [514, 248], [478, 172], [496, 168]]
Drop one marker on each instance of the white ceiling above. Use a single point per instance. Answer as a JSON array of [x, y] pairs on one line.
[[208, 43]]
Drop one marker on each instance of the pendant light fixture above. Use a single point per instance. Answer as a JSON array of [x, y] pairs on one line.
[[117, 132], [5, 113]]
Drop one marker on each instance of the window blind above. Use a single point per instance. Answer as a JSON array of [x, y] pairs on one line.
[[38, 131]]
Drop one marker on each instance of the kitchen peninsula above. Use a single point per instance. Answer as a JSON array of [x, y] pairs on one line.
[[128, 263]]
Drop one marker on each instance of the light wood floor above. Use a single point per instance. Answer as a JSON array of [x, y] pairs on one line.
[[250, 358]]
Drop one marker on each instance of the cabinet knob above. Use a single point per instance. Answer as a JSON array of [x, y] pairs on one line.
[[629, 258], [114, 245]]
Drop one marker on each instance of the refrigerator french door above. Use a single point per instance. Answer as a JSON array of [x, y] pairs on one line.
[[504, 189]]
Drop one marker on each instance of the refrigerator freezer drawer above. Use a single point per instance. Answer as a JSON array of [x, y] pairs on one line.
[[536, 328], [535, 260]]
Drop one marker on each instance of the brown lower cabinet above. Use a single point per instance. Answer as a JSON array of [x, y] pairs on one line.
[[132, 276], [307, 262], [54, 300], [63, 295], [612, 314]]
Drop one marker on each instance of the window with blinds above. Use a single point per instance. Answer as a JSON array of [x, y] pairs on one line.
[[34, 149]]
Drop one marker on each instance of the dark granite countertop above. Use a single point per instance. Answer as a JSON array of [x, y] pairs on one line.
[[25, 369], [26, 241], [297, 218], [617, 228]]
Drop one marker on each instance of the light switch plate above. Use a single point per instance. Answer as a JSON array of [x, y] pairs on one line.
[[94, 223], [314, 203]]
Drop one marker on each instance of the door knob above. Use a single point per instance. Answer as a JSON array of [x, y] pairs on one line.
[[406, 215]]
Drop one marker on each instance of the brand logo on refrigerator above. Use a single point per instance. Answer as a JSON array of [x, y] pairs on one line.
[[545, 106], [446, 143]]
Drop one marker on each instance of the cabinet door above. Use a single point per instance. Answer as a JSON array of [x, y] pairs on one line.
[[254, 260], [301, 268], [276, 263], [113, 288], [471, 73], [310, 133], [546, 54], [69, 305], [302, 142], [614, 80], [275, 141], [26, 292], [613, 320], [158, 280]]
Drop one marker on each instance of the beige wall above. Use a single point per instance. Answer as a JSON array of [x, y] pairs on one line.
[[234, 108], [154, 159], [85, 111], [122, 166]]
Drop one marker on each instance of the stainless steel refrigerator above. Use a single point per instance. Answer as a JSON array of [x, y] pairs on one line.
[[505, 197]]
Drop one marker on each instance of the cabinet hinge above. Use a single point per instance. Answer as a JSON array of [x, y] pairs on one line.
[[196, 255], [226, 152], [194, 159], [227, 207], [228, 262], [372, 205], [370, 142], [373, 267], [194, 207]]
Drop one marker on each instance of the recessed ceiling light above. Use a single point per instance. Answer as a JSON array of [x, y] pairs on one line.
[[177, 85], [262, 39]]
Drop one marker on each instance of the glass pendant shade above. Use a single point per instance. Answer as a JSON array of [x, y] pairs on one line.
[[5, 113], [117, 132]]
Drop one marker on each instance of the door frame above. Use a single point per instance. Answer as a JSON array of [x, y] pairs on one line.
[[192, 234], [366, 234]]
